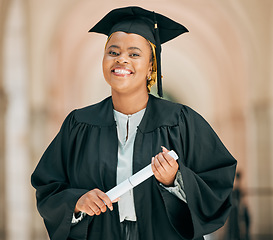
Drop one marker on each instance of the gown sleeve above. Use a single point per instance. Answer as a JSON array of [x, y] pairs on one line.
[[178, 188], [208, 171], [56, 200]]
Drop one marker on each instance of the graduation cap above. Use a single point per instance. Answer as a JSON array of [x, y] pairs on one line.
[[154, 27]]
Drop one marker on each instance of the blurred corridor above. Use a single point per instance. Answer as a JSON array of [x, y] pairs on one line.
[[50, 65]]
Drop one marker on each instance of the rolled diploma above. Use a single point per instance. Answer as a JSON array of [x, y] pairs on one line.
[[134, 180]]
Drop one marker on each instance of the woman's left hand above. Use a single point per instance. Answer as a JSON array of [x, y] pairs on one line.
[[164, 167]]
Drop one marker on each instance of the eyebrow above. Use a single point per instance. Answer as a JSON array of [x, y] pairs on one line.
[[130, 48]]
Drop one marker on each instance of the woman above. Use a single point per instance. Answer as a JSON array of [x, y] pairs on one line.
[[101, 145]]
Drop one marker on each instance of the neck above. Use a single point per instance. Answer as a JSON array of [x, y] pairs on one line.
[[131, 103]]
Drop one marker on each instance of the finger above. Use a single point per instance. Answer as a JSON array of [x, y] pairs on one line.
[[163, 162], [159, 168], [164, 149], [94, 207], [98, 204], [167, 156], [102, 207], [115, 200], [104, 199], [94, 203], [166, 171], [170, 160], [89, 211], [155, 171]]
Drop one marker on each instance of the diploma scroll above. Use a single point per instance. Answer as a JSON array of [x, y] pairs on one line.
[[134, 180]]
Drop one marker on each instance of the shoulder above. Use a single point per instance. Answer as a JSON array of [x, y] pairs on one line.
[[100, 114], [191, 116], [171, 112], [169, 108], [160, 102]]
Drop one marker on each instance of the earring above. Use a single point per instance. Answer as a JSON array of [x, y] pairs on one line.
[[149, 78]]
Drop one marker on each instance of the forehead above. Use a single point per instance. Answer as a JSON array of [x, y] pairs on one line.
[[128, 40]]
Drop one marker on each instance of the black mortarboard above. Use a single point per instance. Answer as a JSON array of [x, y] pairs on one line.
[[155, 27]]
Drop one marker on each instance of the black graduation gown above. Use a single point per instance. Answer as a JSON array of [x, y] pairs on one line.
[[83, 156]]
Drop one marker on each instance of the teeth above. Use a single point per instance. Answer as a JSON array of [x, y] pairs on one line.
[[122, 71]]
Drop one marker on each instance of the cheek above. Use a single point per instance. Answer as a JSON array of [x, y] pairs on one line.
[[105, 70], [105, 65], [144, 67]]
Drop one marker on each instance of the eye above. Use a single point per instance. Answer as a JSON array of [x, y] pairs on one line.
[[113, 53], [134, 55]]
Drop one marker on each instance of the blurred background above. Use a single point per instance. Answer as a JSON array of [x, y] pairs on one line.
[[223, 68]]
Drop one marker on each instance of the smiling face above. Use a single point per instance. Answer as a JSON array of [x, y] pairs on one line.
[[127, 63]]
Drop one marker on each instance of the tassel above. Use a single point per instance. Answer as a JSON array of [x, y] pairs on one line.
[[158, 58]]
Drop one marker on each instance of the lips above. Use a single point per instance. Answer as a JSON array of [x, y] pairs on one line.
[[121, 71]]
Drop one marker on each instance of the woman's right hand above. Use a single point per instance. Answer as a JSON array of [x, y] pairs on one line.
[[94, 202]]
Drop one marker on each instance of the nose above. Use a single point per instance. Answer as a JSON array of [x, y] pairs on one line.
[[121, 59]]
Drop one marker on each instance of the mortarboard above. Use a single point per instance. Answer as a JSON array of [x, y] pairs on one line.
[[154, 27]]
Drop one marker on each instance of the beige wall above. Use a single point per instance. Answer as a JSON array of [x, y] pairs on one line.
[[221, 68]]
